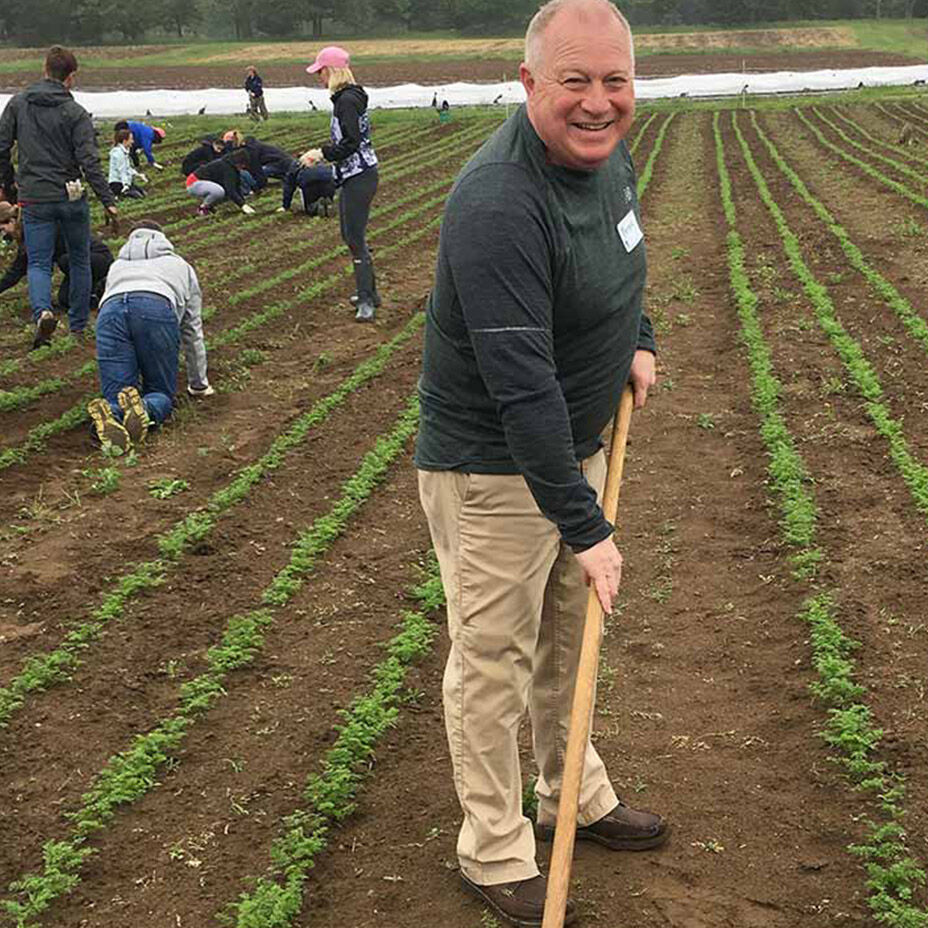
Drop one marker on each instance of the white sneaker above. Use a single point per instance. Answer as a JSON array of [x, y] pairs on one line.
[[200, 391], [298, 198]]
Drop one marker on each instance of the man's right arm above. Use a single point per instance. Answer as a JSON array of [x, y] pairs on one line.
[[501, 253], [191, 330]]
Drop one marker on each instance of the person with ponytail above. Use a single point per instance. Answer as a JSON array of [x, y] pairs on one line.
[[351, 152]]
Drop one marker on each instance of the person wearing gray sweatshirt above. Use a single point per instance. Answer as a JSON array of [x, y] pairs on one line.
[[152, 304]]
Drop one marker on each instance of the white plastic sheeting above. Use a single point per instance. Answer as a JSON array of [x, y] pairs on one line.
[[225, 101]]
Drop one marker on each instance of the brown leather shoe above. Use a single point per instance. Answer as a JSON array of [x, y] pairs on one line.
[[622, 829], [520, 903]]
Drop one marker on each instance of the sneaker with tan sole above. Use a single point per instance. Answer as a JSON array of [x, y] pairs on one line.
[[622, 829], [520, 903], [46, 324], [110, 432], [135, 418]]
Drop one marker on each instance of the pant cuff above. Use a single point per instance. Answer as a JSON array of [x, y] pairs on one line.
[[493, 874], [601, 804]]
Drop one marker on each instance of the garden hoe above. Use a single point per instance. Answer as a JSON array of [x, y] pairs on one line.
[[582, 710]]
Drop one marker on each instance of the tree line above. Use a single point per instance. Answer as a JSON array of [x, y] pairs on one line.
[[39, 22]]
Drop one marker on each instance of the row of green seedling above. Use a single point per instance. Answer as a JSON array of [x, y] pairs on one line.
[[899, 150], [864, 166], [893, 875], [869, 152], [42, 671], [275, 899], [915, 325], [862, 373], [133, 772]]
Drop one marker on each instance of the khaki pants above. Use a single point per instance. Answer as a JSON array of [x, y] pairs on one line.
[[516, 602]]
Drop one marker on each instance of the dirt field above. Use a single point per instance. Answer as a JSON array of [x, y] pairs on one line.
[[706, 710]]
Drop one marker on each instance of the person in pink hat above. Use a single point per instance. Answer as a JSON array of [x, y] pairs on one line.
[[352, 154]]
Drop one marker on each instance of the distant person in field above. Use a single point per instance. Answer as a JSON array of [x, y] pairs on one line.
[[313, 187], [351, 151], [56, 153], [534, 326], [143, 138], [257, 108], [220, 180], [100, 260], [210, 148], [123, 175], [152, 306]]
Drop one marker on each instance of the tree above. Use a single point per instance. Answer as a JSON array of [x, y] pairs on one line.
[[178, 15]]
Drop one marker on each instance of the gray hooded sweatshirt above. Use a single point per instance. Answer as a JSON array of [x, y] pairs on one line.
[[147, 264]]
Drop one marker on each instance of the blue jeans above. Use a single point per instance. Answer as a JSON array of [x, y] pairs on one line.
[[138, 340], [248, 182], [41, 223]]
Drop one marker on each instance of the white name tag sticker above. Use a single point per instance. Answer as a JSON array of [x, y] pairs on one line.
[[629, 231]]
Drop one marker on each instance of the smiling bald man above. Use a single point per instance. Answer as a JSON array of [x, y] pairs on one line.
[[534, 326]]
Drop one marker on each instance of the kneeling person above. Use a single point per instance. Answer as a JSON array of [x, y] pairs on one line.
[[220, 180], [314, 186], [152, 303]]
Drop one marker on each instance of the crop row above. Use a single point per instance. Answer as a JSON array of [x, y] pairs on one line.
[[893, 874], [132, 773]]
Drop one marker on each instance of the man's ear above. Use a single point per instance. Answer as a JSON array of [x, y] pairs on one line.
[[527, 79]]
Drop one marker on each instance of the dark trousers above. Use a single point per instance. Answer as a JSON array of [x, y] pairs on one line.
[[354, 208], [99, 267], [41, 225], [138, 340], [133, 192]]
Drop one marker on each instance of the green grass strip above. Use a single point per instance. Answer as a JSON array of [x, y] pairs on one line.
[[789, 479], [876, 140], [893, 875], [42, 671], [132, 773], [276, 900], [897, 165], [634, 146], [865, 378], [914, 324], [645, 177], [866, 168]]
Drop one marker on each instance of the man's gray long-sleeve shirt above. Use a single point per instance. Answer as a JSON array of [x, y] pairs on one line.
[[533, 322]]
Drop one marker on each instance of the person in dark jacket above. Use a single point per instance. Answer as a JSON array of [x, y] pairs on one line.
[[55, 146], [100, 259], [352, 153], [253, 178], [143, 137], [274, 161], [220, 180], [257, 108], [209, 149], [313, 186]]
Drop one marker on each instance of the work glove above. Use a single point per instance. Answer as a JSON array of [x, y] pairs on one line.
[[144, 178], [248, 210]]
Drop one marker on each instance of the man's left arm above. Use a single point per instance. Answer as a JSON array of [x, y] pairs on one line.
[[7, 138], [643, 373]]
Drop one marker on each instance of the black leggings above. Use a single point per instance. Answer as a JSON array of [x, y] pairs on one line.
[[354, 206], [99, 267]]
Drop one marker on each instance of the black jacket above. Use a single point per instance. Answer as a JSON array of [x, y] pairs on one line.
[[223, 172], [254, 84], [350, 148], [269, 154], [54, 142], [202, 154]]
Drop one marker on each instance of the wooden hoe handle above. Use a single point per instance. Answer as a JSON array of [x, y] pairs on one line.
[[582, 710]]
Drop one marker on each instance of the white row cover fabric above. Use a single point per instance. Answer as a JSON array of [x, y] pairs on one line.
[[127, 103]]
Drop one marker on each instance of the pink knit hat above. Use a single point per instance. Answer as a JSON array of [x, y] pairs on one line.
[[330, 57]]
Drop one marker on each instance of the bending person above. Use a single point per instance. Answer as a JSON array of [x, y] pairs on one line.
[[143, 137], [122, 174], [152, 304], [220, 180], [352, 153]]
